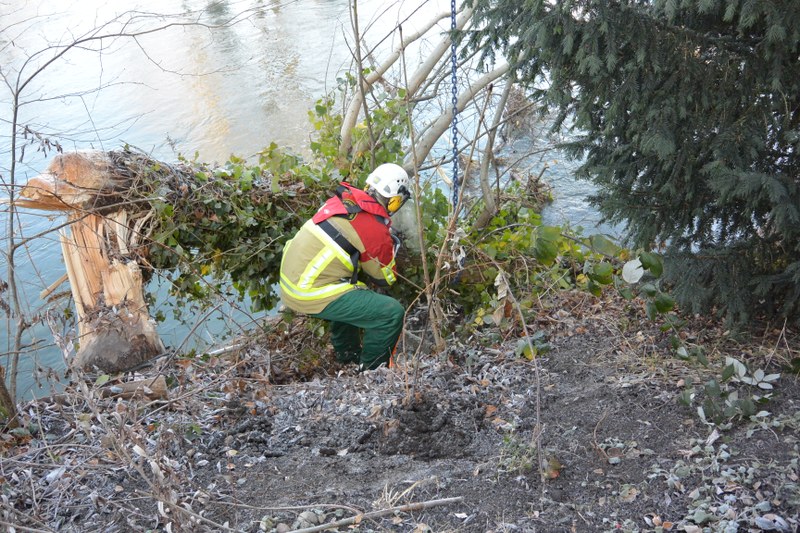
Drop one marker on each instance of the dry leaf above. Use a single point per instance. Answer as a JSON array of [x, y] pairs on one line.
[[628, 494]]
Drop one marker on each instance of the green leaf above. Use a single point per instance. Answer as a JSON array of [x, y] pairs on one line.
[[603, 273], [594, 288], [101, 380], [651, 311], [664, 303], [701, 517], [652, 262], [713, 389], [524, 349], [550, 233], [748, 407], [727, 373], [20, 432], [603, 245], [627, 293], [675, 342], [545, 251], [648, 289], [739, 370], [701, 356], [685, 397]]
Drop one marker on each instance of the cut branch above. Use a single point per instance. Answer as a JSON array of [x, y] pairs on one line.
[[377, 514]]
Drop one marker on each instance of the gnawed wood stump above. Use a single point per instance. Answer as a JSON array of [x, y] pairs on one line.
[[116, 332]]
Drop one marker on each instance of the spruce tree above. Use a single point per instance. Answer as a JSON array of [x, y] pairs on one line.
[[688, 114]]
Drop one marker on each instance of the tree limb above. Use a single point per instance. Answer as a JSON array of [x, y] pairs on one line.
[[377, 514], [417, 79], [440, 125]]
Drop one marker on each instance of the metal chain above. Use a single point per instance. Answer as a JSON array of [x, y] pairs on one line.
[[453, 81]]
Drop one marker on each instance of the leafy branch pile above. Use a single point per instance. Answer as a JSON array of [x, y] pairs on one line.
[[229, 224]]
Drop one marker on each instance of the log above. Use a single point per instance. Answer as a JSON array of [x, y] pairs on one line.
[[151, 388], [115, 330]]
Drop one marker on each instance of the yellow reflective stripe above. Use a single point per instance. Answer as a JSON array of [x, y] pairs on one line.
[[315, 267], [304, 289], [315, 294], [330, 243], [388, 273]]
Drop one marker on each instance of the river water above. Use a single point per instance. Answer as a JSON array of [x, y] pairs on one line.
[[242, 78]]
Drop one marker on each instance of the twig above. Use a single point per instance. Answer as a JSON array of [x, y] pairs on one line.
[[53, 286], [781, 335], [594, 435], [435, 313], [229, 503], [23, 528], [377, 514]]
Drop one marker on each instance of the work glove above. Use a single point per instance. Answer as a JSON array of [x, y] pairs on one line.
[[396, 240]]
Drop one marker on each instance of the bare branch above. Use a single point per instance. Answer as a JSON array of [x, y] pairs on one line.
[[353, 110], [439, 126]]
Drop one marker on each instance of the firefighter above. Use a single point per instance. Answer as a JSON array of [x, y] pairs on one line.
[[351, 232]]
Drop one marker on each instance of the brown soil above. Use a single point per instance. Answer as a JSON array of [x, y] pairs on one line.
[[478, 427]]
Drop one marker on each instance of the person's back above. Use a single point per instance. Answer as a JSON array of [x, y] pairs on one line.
[[320, 266]]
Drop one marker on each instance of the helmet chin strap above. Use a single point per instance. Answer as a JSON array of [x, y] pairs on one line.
[[378, 198]]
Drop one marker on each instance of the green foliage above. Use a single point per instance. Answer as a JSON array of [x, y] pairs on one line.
[[722, 403], [687, 113], [517, 455], [374, 141], [532, 347], [517, 253], [225, 227], [514, 252], [230, 224]]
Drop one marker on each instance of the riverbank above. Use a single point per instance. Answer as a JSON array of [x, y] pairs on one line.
[[275, 437]]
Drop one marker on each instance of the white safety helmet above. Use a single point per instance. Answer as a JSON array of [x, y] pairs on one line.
[[391, 182]]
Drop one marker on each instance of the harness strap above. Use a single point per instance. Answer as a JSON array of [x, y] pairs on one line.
[[352, 207], [345, 245]]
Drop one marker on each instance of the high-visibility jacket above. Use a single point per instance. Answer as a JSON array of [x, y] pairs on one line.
[[350, 232]]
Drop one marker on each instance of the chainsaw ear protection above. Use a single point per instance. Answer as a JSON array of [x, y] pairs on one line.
[[397, 201]]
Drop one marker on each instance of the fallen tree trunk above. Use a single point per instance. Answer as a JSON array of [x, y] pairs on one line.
[[115, 330]]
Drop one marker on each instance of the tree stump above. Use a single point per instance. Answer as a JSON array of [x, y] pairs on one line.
[[116, 332]]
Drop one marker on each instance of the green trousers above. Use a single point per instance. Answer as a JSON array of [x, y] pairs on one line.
[[379, 316]]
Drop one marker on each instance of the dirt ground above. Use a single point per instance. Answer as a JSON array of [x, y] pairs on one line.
[[589, 436]]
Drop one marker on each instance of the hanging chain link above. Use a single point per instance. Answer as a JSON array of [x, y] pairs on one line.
[[453, 81]]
